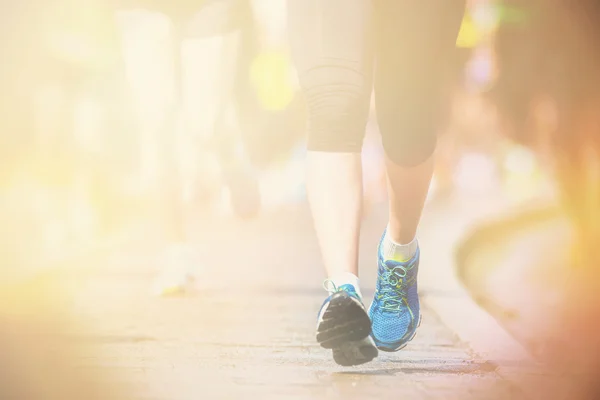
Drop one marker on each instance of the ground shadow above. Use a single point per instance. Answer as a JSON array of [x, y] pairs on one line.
[[429, 367]]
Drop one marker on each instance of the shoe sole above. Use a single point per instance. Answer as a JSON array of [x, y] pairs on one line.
[[345, 328], [387, 350], [344, 320], [355, 353]]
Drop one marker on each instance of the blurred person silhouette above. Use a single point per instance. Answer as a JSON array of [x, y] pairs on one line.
[[221, 34], [247, 103], [75, 48], [406, 51]]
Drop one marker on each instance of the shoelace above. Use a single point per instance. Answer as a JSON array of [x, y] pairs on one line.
[[392, 290], [329, 286], [332, 288]]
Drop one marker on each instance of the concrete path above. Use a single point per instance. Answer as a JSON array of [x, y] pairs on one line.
[[246, 331]]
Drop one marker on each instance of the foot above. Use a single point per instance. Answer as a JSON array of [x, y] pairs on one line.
[[177, 269], [395, 311], [344, 327]]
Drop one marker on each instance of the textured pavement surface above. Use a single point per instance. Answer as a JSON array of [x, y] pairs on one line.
[[247, 329]]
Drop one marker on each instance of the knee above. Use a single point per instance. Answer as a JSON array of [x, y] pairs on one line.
[[410, 119], [337, 103], [409, 137], [410, 150]]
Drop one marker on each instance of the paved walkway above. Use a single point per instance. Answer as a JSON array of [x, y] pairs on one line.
[[246, 331], [523, 283], [533, 286]]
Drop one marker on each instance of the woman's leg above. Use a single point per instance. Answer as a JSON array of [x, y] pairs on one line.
[[331, 47], [415, 57], [207, 66], [206, 50]]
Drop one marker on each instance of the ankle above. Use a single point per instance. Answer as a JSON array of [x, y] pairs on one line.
[[398, 235], [345, 278], [400, 251]]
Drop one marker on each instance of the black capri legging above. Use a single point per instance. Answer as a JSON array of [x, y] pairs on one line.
[[404, 49]]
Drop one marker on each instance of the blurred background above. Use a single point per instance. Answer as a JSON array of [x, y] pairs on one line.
[[188, 101], [146, 124]]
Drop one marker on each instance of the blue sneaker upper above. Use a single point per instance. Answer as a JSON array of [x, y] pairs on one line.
[[395, 311]]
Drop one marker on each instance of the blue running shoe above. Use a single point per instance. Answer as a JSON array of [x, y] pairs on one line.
[[395, 311], [344, 327]]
